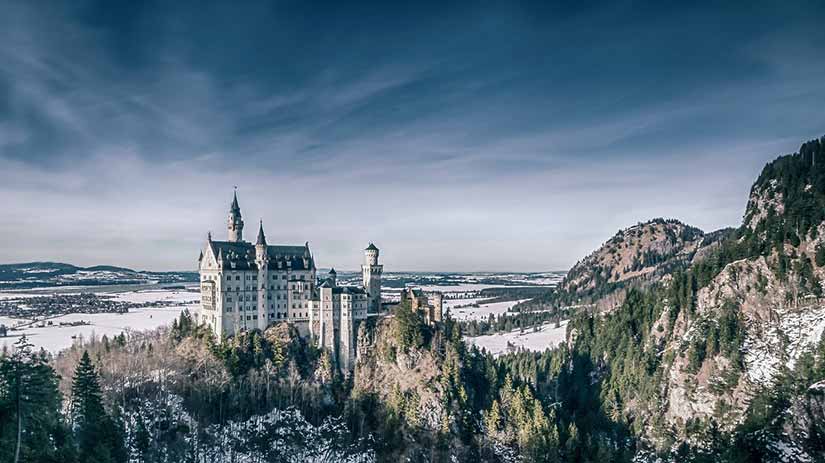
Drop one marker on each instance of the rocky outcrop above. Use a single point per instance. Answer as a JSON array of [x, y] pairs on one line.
[[805, 420], [418, 385], [413, 374]]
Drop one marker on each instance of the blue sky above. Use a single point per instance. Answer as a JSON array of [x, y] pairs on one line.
[[475, 136]]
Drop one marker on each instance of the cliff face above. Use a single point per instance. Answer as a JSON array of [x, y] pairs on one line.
[[415, 372], [407, 379], [776, 331], [775, 294], [732, 321]]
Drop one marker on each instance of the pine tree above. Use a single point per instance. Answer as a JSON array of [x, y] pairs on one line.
[[98, 437], [492, 419], [142, 439], [31, 426]]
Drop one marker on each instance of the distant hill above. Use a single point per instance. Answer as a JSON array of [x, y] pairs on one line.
[[635, 257], [30, 275]]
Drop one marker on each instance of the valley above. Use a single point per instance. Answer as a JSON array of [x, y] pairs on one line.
[[53, 316]]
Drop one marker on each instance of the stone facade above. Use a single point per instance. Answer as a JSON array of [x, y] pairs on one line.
[[371, 272], [247, 286], [431, 304]]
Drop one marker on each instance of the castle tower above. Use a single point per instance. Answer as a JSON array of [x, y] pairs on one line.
[[371, 272], [235, 222], [262, 261], [332, 277], [436, 299], [346, 336]]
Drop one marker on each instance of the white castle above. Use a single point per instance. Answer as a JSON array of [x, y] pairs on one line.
[[247, 286]]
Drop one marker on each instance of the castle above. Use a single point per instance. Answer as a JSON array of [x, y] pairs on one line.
[[431, 304], [247, 286]]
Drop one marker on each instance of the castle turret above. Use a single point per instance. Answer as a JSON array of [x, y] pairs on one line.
[[235, 222], [332, 277], [260, 243], [262, 261], [371, 272]]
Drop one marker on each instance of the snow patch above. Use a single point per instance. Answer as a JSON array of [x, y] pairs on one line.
[[547, 337]]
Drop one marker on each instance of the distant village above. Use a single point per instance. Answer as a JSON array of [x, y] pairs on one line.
[[39, 309]]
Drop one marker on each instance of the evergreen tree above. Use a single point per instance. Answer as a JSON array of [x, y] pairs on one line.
[[98, 437], [31, 426]]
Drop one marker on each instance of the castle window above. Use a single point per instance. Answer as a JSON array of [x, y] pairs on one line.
[[237, 278], [248, 317], [254, 317]]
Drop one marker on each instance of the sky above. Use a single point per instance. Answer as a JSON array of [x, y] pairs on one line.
[[474, 136]]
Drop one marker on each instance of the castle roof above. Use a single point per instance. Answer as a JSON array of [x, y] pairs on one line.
[[371, 247], [234, 207], [261, 237], [240, 255]]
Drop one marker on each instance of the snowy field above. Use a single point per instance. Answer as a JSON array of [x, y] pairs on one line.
[[55, 338], [158, 295], [452, 303], [460, 289], [498, 344], [483, 310], [15, 295]]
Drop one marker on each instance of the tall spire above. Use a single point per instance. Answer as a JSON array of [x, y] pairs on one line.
[[261, 238], [234, 207], [235, 222]]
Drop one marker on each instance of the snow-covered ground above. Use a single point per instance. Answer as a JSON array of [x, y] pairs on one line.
[[15, 295], [765, 353], [462, 288], [483, 310], [164, 295], [452, 303], [546, 338], [55, 338]]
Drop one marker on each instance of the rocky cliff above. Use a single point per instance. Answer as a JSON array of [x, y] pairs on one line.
[[731, 329]]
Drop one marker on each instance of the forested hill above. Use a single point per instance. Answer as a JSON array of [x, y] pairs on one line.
[[724, 359], [787, 201], [634, 257]]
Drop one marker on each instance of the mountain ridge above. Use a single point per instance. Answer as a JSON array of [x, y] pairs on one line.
[[44, 274]]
